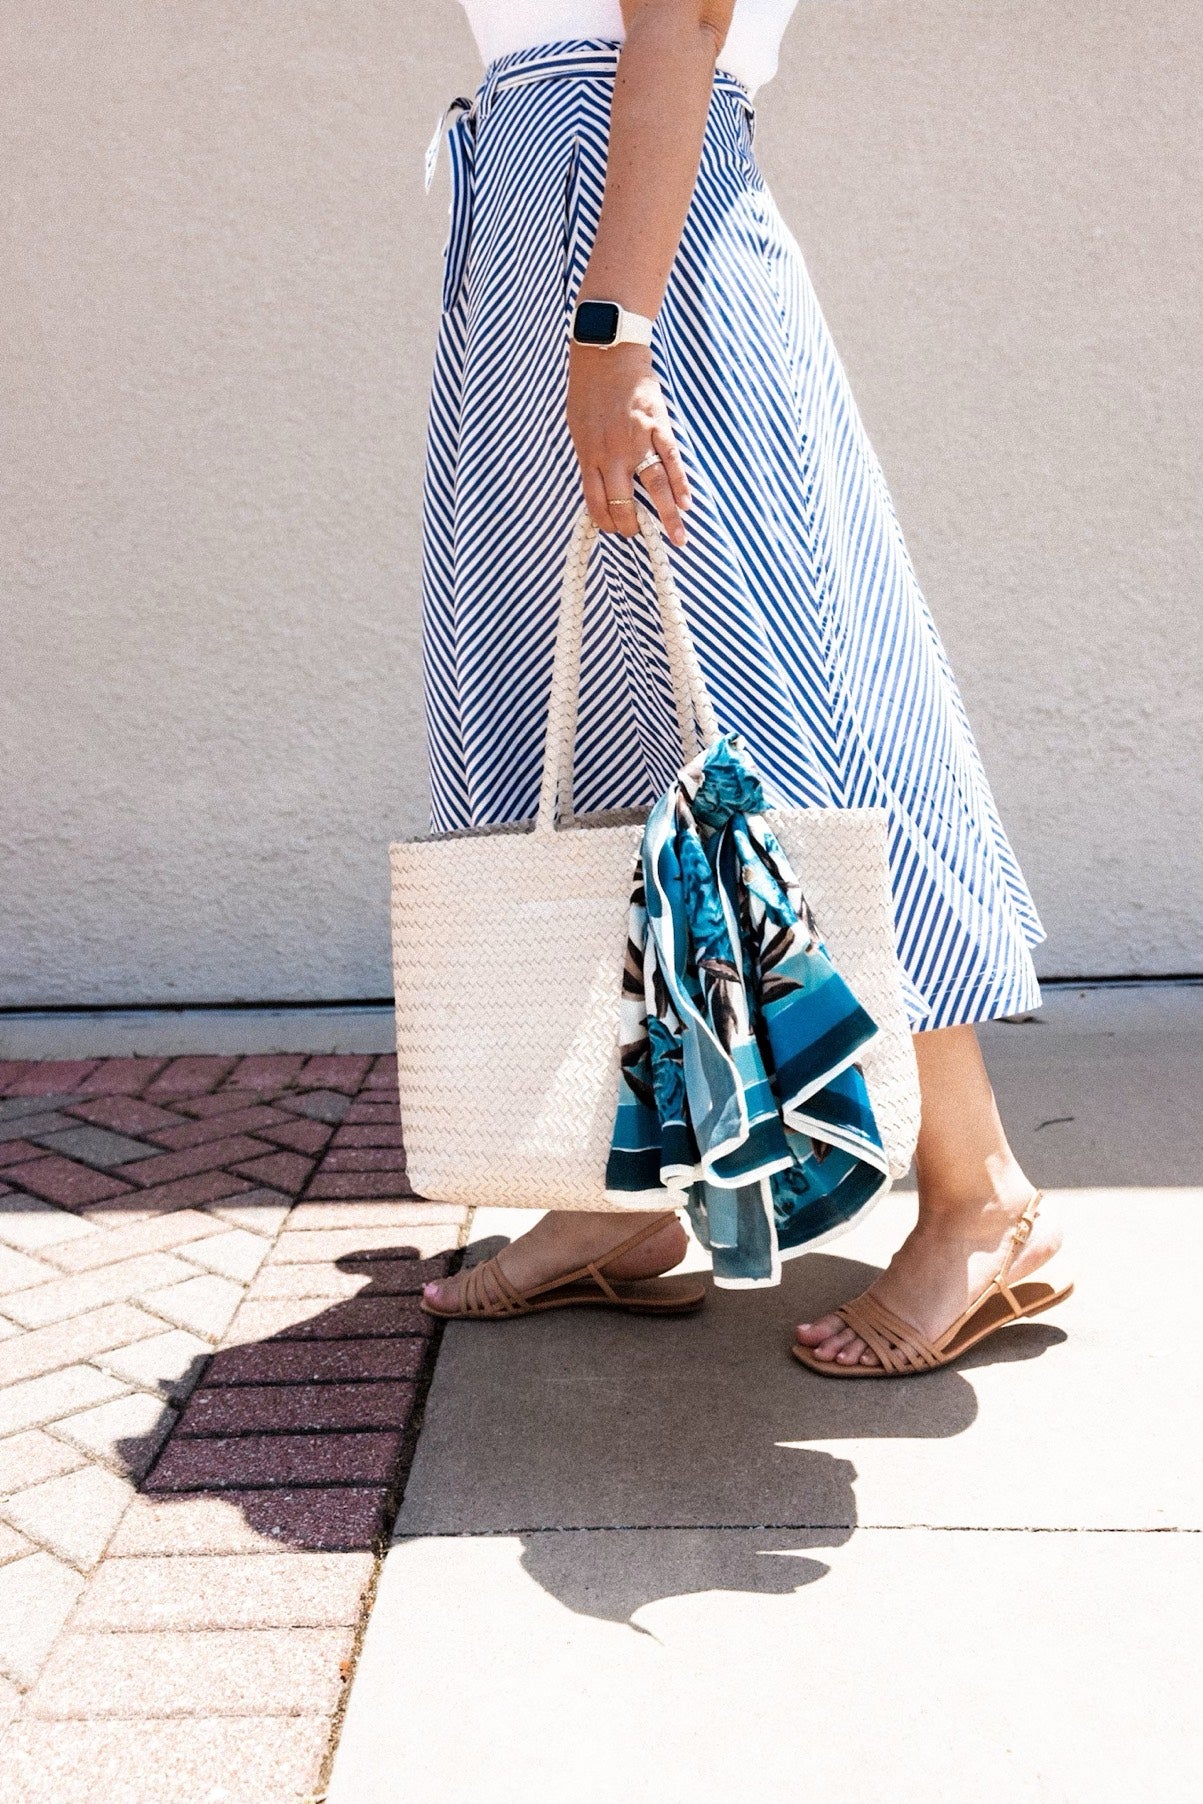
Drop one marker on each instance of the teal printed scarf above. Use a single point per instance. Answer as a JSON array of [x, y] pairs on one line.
[[739, 1089]]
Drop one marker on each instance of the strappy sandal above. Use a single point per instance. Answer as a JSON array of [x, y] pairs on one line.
[[486, 1294], [904, 1351]]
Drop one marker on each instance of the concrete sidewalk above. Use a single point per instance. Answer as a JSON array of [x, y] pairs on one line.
[[660, 1561]]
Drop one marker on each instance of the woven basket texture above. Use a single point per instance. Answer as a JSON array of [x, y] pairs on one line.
[[508, 951]]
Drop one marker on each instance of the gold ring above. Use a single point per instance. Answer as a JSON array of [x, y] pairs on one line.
[[621, 501]]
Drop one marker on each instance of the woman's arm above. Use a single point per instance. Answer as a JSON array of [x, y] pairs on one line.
[[616, 412]]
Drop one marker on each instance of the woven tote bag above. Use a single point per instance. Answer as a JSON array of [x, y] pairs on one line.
[[508, 947]]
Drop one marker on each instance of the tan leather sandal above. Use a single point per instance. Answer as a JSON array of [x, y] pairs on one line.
[[486, 1294], [904, 1351]]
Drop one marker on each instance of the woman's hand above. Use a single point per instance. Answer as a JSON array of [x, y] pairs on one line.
[[616, 413], [617, 416]]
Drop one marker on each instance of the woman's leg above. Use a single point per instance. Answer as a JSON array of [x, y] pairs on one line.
[[972, 1190], [563, 1240]]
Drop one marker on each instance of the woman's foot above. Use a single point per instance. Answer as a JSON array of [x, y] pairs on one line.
[[946, 1262], [565, 1240]]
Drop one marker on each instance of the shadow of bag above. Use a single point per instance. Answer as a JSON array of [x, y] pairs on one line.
[[508, 946]]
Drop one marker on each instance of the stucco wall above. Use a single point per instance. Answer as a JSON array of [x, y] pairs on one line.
[[219, 311]]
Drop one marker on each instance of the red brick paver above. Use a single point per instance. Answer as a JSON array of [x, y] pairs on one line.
[[16, 1152], [251, 1408], [126, 1115], [232, 1462], [121, 1077], [280, 1171], [356, 1184], [189, 1077], [65, 1181], [46, 1077], [182, 1569]]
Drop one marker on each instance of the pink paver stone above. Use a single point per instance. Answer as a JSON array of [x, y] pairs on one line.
[[49, 1077], [218, 1127], [280, 1171], [380, 1133], [125, 1115], [356, 1184], [364, 1158], [223, 1102], [382, 1213], [203, 1303], [12, 1547], [386, 1272], [37, 1401], [192, 1672], [265, 1522], [36, 1596], [383, 1075], [268, 1071], [18, 1271], [335, 1071], [83, 1291], [301, 1245], [243, 1461], [364, 1111], [106, 1245], [165, 1167], [25, 1459], [79, 1337], [299, 1134], [127, 1432], [185, 1193], [261, 1212], [121, 1077], [16, 1152], [374, 1276], [239, 1760], [367, 1316], [189, 1076], [226, 1591], [73, 1516]]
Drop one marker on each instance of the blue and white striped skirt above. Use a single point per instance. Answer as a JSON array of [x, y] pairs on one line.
[[815, 639]]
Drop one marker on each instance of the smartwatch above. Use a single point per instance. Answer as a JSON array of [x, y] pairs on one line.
[[605, 323]]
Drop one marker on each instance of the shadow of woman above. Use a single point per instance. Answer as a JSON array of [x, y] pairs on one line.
[[698, 1434]]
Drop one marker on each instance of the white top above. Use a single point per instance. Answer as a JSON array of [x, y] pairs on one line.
[[750, 52]]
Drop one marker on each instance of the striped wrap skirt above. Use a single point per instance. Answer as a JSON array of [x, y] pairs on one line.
[[816, 642]]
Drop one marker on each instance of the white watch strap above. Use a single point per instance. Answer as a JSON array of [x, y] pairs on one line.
[[633, 329]]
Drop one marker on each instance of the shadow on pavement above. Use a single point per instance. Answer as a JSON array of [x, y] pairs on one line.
[[573, 1420], [598, 1422], [306, 1434]]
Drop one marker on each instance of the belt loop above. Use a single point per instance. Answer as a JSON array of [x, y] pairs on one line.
[[461, 104]]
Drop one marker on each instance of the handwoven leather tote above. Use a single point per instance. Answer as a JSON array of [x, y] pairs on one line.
[[508, 947]]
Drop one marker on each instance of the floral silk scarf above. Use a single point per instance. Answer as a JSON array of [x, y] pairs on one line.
[[740, 1096]]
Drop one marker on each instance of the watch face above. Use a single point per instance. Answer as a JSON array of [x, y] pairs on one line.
[[596, 323]]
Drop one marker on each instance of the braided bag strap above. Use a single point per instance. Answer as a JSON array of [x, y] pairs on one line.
[[696, 720]]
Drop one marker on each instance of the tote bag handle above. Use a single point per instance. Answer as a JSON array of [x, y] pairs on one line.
[[696, 720]]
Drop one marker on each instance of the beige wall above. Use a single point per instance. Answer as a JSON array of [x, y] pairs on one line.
[[218, 316]]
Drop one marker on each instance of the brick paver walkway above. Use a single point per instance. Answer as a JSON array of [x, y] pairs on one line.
[[210, 1352]]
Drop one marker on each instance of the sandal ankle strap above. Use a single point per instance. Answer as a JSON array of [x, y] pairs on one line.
[[594, 1268], [1018, 1237]]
